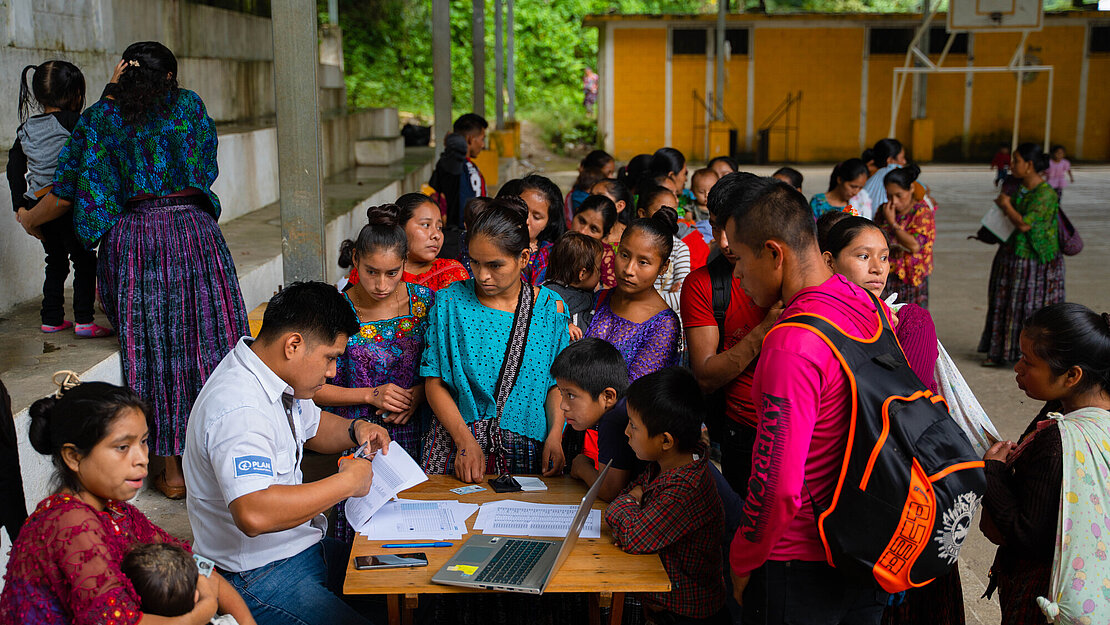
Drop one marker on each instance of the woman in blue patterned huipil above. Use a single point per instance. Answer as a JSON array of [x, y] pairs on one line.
[[376, 379], [138, 172]]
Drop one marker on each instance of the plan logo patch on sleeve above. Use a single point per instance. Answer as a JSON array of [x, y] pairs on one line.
[[253, 465]]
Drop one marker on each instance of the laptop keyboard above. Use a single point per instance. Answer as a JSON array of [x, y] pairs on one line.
[[513, 562]]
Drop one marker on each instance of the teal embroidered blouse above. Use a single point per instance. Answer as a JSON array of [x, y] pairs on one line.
[[466, 346]]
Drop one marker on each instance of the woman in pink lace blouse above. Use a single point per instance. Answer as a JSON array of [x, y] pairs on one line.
[[65, 564]]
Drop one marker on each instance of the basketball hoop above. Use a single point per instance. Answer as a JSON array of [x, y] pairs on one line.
[[1024, 16], [995, 15]]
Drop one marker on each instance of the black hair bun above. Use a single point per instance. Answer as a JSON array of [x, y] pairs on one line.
[[516, 206], [346, 254], [39, 433], [384, 215], [912, 170], [667, 217]]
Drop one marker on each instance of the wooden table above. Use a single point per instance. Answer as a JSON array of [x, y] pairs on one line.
[[596, 566]]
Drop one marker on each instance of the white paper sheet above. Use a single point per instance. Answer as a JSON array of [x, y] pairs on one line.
[[997, 222], [410, 519], [522, 518], [393, 473]]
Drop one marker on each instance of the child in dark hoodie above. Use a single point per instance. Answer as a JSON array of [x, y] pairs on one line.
[[58, 89], [573, 272]]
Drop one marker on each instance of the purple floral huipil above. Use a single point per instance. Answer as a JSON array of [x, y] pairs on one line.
[[647, 347]]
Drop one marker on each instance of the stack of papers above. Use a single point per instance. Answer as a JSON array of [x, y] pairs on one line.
[[411, 519], [522, 518], [393, 473]]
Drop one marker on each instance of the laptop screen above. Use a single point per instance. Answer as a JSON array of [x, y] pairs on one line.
[[577, 524]]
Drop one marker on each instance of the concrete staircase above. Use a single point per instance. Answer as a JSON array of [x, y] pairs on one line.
[[251, 224]]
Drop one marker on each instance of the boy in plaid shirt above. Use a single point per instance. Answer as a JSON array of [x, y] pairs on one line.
[[672, 508]]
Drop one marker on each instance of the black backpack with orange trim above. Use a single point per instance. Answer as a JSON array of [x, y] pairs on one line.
[[910, 482]]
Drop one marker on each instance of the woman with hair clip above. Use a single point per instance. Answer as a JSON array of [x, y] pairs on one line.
[[65, 564], [138, 172], [487, 367], [1028, 269], [376, 379], [911, 227]]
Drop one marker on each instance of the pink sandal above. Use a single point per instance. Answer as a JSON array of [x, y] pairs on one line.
[[52, 329], [91, 331]]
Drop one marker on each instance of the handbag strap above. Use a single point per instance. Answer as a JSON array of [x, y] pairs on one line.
[[510, 367]]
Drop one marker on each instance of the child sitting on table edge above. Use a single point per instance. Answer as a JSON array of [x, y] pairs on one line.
[[672, 508], [165, 577], [591, 376]]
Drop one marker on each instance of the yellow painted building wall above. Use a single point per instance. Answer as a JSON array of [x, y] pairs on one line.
[[736, 93], [640, 56], [1097, 135], [880, 78], [831, 81], [993, 110], [823, 64], [945, 106], [687, 114]]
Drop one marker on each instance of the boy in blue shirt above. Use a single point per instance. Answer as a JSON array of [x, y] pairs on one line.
[[591, 376]]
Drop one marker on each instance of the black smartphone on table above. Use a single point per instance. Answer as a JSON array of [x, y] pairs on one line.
[[390, 561]]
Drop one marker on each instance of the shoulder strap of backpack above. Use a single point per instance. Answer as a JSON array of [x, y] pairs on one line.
[[720, 279]]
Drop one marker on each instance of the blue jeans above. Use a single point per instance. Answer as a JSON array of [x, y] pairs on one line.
[[304, 589]]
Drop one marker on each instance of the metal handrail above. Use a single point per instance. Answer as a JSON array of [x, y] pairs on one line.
[[781, 109], [709, 109]]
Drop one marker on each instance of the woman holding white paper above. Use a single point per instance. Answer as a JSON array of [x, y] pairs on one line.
[[1028, 270]]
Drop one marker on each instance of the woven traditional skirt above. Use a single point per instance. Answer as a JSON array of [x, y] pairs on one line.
[[439, 450], [168, 285], [1018, 288]]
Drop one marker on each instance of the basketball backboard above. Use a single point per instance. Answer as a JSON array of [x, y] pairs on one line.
[[995, 15]]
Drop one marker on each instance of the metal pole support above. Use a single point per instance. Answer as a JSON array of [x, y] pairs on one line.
[[478, 55], [441, 70], [499, 66], [298, 136], [719, 62], [510, 57]]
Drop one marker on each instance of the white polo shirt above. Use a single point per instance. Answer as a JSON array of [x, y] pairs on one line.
[[239, 442]]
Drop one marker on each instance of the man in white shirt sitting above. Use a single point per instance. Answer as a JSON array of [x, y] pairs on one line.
[[248, 506]]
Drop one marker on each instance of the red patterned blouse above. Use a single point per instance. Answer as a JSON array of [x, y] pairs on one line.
[[65, 565]]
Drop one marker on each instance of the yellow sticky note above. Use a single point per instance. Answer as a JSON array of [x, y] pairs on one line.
[[465, 569]]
